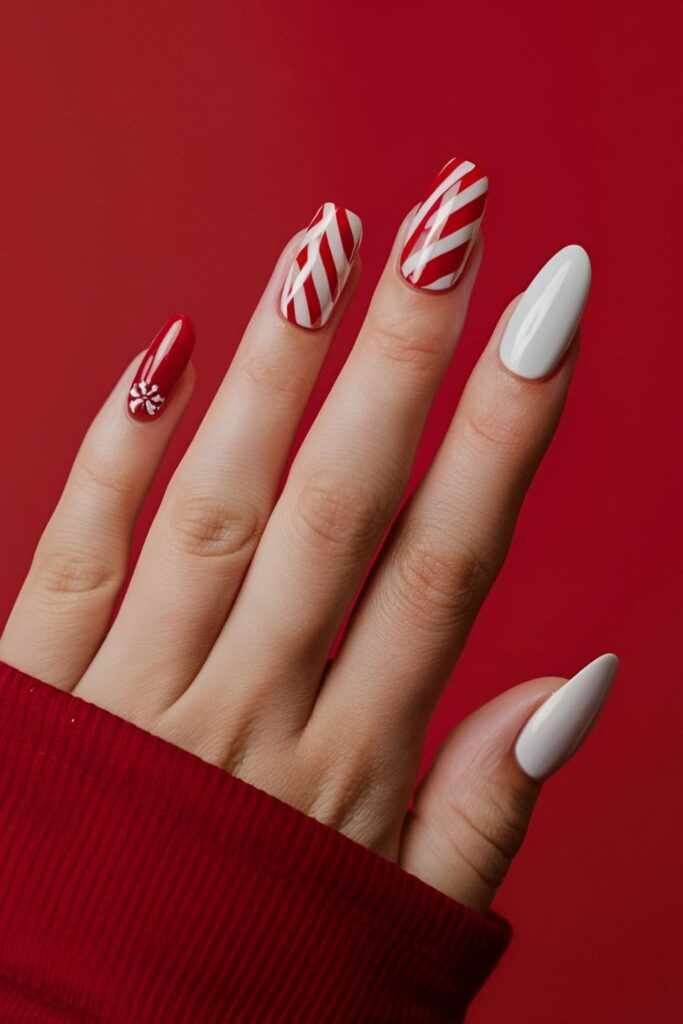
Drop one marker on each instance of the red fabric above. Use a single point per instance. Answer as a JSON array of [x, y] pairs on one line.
[[140, 884]]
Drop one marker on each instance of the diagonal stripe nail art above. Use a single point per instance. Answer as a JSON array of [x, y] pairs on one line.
[[321, 267], [444, 227]]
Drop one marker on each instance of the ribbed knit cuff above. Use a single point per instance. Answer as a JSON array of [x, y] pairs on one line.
[[141, 884]]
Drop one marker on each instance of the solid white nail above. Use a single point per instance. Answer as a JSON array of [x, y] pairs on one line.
[[559, 726], [545, 319]]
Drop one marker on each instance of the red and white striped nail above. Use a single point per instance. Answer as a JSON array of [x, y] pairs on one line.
[[444, 227], [321, 267], [161, 368]]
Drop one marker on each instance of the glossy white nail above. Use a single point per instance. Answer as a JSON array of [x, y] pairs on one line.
[[545, 319], [556, 730]]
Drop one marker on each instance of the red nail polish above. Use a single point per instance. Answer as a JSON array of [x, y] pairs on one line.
[[444, 227], [161, 368]]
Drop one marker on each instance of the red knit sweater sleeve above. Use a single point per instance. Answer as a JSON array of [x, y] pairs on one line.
[[140, 884]]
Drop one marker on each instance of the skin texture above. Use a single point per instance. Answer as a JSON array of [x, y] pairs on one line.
[[221, 642]]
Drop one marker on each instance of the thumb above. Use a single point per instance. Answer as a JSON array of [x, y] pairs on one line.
[[472, 810]]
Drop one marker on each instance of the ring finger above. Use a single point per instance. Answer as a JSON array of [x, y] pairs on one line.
[[215, 507]]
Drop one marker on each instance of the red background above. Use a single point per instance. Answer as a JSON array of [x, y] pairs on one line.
[[156, 158]]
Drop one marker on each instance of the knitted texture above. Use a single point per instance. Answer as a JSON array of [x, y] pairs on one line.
[[141, 884]]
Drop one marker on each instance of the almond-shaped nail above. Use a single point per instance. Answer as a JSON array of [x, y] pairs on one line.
[[556, 730], [545, 318], [443, 230], [321, 267], [161, 368]]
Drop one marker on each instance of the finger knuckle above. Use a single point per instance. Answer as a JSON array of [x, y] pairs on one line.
[[491, 427], [97, 472], [347, 791], [510, 810], [440, 583], [487, 833], [276, 375], [64, 574], [205, 525], [409, 343], [223, 736], [339, 514]]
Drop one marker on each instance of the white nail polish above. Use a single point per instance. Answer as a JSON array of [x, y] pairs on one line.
[[560, 725], [545, 319]]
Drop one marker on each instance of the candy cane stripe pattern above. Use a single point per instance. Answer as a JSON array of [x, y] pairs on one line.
[[444, 227], [321, 267]]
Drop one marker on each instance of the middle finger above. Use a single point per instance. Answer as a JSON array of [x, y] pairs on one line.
[[351, 471]]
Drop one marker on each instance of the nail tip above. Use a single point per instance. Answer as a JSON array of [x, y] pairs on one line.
[[593, 682], [577, 255], [581, 264], [455, 160], [184, 336], [187, 330], [582, 260], [356, 224], [605, 665], [483, 178]]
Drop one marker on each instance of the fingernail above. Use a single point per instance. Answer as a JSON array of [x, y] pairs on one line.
[[556, 730], [545, 319], [321, 267], [161, 368], [443, 230]]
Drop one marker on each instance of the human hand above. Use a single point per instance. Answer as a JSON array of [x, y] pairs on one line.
[[221, 644]]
